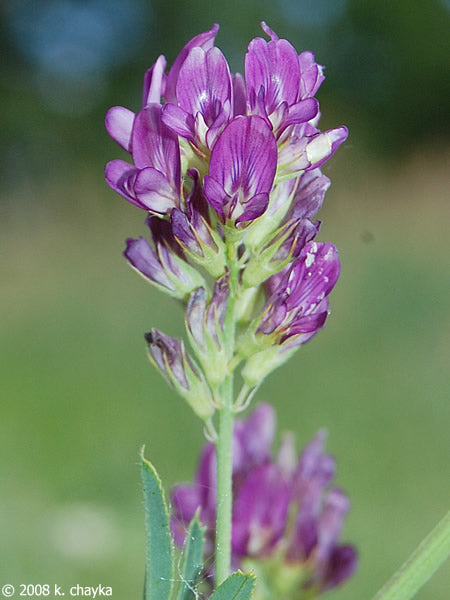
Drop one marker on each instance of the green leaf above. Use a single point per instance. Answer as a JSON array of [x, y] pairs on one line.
[[237, 587], [192, 562], [421, 565], [158, 563]]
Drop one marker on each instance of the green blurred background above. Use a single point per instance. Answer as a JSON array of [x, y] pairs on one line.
[[78, 397]]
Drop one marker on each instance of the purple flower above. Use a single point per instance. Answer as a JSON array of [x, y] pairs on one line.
[[163, 265], [204, 93], [203, 40], [307, 148], [284, 511], [241, 171], [154, 182], [275, 83], [298, 306]]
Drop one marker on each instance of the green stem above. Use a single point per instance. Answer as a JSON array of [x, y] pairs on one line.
[[225, 435], [224, 491], [420, 566]]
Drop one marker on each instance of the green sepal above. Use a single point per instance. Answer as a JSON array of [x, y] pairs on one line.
[[197, 394], [211, 259], [192, 561], [261, 230], [262, 363], [182, 288], [262, 266], [159, 551], [236, 587]]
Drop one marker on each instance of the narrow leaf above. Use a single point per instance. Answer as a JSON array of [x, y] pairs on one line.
[[192, 561], [420, 566], [158, 563], [237, 587]]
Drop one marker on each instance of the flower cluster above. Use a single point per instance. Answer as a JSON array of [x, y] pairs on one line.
[[286, 518], [228, 169]]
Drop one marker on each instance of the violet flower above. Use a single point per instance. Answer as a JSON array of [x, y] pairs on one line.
[[275, 86], [298, 306], [285, 514], [154, 183], [162, 265], [204, 98], [241, 171]]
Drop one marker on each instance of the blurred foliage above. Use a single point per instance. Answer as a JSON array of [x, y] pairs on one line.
[[78, 397]]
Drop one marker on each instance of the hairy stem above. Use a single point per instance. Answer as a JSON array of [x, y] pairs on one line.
[[224, 491], [225, 438]]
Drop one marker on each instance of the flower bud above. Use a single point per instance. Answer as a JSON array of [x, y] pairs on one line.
[[168, 355], [193, 232], [164, 266], [204, 325]]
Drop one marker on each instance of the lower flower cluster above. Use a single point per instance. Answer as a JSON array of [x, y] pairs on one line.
[[287, 518]]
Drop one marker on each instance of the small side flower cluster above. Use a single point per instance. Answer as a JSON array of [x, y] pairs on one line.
[[228, 170], [287, 520]]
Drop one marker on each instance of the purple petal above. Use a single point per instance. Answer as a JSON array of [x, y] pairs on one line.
[[154, 145], [154, 83], [195, 316], [186, 498], [312, 276], [204, 84], [154, 191], [254, 437], [274, 317], [121, 177], [182, 231], [162, 235], [168, 353], [179, 121], [304, 231], [260, 511], [303, 111], [330, 523], [141, 256], [268, 31], [314, 464], [304, 538], [243, 161], [239, 95], [217, 308], [254, 208], [215, 194], [341, 565], [205, 40], [272, 66], [323, 145], [311, 75], [309, 197], [119, 124], [206, 479], [306, 324]]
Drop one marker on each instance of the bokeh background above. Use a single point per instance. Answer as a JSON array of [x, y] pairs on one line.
[[78, 397]]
